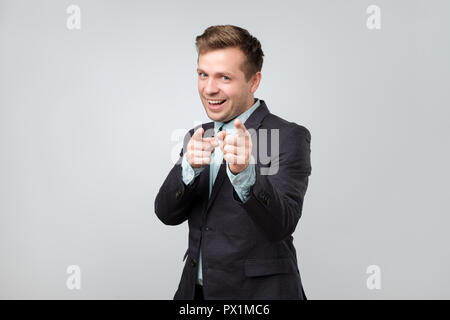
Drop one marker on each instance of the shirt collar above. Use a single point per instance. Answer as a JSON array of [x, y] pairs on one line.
[[229, 126]]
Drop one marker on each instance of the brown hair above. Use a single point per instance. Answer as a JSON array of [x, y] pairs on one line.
[[225, 36]]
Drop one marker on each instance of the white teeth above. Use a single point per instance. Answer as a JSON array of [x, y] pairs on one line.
[[215, 102]]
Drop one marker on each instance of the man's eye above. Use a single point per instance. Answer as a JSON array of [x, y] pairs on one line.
[[201, 74], [225, 78]]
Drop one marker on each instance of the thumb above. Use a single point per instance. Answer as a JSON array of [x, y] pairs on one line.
[[221, 135], [198, 134], [239, 125]]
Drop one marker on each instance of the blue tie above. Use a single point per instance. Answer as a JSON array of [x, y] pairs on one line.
[[216, 161]]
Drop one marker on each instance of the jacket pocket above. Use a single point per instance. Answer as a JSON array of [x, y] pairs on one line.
[[265, 267]]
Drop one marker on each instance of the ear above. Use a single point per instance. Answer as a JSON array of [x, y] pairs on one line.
[[255, 81]]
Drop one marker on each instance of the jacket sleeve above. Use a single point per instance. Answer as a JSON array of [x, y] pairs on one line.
[[276, 201], [174, 199]]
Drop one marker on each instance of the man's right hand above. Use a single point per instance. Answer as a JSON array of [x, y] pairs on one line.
[[199, 149]]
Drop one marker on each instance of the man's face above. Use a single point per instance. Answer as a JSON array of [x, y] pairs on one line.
[[222, 86]]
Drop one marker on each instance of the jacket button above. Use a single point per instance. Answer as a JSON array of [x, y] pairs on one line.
[[193, 262], [178, 194], [207, 229], [263, 196]]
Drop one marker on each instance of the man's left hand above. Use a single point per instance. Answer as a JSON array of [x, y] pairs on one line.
[[236, 148]]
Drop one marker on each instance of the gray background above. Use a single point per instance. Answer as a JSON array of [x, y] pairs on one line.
[[86, 119]]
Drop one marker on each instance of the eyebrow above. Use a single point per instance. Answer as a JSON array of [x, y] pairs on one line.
[[221, 72]]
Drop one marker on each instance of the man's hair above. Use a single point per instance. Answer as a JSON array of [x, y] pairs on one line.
[[227, 36]]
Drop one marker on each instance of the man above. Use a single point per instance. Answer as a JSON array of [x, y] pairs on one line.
[[241, 207]]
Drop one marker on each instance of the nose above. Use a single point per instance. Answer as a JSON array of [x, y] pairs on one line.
[[211, 87]]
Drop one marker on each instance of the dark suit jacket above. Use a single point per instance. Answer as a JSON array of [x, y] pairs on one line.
[[247, 248]]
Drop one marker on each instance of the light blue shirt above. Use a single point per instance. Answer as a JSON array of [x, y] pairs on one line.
[[241, 182]]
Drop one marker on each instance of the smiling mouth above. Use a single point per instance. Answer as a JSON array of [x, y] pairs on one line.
[[216, 103]]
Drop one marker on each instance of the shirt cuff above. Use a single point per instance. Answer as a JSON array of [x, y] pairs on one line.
[[188, 173], [243, 181]]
